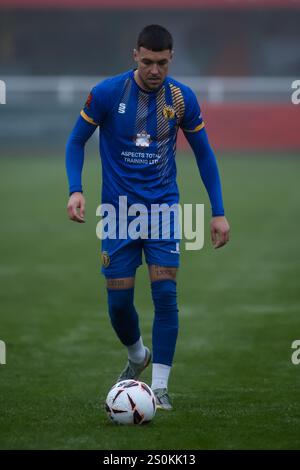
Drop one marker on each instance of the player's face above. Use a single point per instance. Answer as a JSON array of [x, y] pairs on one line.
[[152, 67]]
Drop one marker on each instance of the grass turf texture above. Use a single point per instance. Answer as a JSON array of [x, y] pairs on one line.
[[233, 383]]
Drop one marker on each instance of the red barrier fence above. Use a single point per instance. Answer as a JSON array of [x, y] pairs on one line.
[[250, 126]]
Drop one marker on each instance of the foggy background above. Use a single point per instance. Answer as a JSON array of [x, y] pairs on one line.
[[239, 57]]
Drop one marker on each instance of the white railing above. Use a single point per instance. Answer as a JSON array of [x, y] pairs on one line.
[[213, 89]]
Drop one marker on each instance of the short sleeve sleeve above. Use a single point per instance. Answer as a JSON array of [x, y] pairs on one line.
[[192, 119], [95, 107]]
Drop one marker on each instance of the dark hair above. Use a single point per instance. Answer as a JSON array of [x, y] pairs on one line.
[[155, 38]]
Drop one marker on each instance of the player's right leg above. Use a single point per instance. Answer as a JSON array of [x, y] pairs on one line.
[[125, 321], [120, 261]]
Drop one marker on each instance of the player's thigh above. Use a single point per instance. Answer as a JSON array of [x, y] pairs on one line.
[[162, 257], [159, 273], [120, 260], [120, 283]]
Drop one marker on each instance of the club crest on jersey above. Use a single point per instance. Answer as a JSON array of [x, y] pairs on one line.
[[168, 112], [142, 139], [105, 259]]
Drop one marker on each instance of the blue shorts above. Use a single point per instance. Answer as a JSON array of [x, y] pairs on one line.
[[121, 258]]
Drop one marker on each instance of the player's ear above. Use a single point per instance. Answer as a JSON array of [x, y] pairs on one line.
[[135, 55], [171, 54]]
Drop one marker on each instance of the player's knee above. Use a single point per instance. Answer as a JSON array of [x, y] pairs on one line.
[[164, 295], [161, 273], [119, 301], [121, 283], [164, 290]]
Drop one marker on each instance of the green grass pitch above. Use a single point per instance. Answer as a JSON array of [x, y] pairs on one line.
[[233, 383]]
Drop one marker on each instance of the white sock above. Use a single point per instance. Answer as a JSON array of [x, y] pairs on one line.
[[160, 376], [136, 352]]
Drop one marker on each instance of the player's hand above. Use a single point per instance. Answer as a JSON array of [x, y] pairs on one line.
[[76, 207], [219, 229]]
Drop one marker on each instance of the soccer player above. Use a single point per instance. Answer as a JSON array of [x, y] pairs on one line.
[[139, 113]]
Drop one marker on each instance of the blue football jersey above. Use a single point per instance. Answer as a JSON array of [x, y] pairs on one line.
[[138, 132]]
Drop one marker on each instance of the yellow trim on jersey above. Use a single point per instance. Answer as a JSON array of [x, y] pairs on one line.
[[198, 128], [178, 101], [87, 118]]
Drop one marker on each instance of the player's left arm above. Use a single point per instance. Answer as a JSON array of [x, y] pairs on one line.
[[193, 128], [209, 172]]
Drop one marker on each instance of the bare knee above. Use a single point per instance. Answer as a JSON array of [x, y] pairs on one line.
[[120, 283], [159, 273]]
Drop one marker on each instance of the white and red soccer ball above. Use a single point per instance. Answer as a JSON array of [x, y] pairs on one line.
[[130, 402]]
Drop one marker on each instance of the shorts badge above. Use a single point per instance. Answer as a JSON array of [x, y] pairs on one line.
[[105, 259]]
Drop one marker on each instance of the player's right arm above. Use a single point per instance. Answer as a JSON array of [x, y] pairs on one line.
[[90, 117], [81, 132]]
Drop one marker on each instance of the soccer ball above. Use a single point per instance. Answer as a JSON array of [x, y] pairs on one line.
[[130, 402]]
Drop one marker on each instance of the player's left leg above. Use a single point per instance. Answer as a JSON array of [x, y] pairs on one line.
[[162, 257], [165, 329]]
